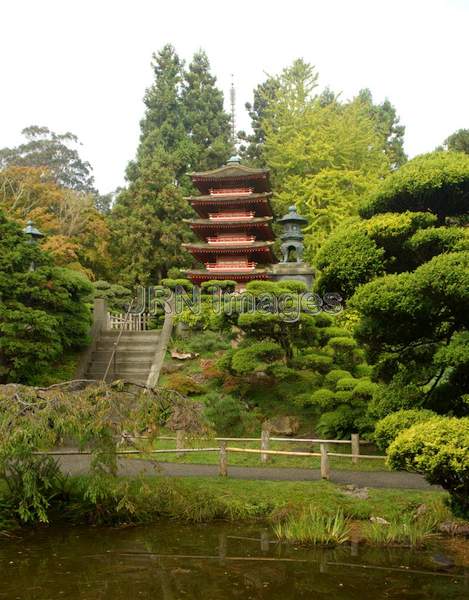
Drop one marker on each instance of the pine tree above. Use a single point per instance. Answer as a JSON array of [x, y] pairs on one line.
[[206, 122]]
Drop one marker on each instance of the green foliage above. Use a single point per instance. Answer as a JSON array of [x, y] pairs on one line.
[[323, 156], [226, 285], [458, 141], [334, 376], [256, 357], [42, 312], [96, 418], [427, 243], [346, 383], [437, 182], [323, 398], [184, 128], [315, 360], [337, 423], [172, 284], [388, 428], [347, 259], [117, 296], [313, 527], [439, 449], [184, 384], [227, 415], [407, 318], [54, 151]]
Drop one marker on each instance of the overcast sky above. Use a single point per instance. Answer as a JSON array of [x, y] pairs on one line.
[[83, 66]]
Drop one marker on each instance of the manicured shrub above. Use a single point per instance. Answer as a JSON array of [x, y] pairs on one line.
[[172, 284], [227, 415], [226, 285], [387, 429], [364, 389], [348, 258], [427, 243], [255, 357], [323, 398], [439, 449], [319, 362], [184, 384], [337, 423], [437, 182], [346, 383], [334, 376]]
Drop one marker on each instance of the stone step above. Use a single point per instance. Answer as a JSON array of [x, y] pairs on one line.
[[123, 355], [127, 347], [153, 333], [131, 364]]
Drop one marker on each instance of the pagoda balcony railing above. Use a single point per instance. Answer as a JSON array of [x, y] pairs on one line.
[[232, 239], [229, 216], [231, 191], [231, 266]]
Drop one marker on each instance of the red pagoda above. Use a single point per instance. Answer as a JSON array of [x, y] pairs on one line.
[[234, 224]]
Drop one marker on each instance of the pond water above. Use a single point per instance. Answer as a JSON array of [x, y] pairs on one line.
[[170, 561]]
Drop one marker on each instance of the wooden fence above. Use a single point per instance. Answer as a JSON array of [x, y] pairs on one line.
[[138, 322], [265, 452]]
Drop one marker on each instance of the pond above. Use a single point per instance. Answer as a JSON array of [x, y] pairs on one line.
[[170, 561]]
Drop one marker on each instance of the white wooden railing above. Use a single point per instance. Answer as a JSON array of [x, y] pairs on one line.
[[139, 322]]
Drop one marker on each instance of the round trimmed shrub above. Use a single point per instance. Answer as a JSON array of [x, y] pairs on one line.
[[334, 376], [387, 429], [439, 450], [323, 398]]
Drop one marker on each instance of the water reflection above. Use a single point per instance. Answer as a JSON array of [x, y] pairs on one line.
[[172, 561]]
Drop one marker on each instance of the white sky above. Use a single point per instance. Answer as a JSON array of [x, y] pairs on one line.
[[83, 65]]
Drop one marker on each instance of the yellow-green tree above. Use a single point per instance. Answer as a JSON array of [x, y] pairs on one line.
[[324, 156]]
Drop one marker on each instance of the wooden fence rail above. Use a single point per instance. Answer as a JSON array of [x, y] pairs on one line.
[[223, 451]]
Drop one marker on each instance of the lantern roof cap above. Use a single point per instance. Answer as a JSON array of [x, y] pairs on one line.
[[31, 230], [292, 216]]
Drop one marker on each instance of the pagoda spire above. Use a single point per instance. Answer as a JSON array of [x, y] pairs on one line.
[[233, 111]]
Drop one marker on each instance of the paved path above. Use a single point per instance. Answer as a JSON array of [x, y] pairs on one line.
[[78, 465]]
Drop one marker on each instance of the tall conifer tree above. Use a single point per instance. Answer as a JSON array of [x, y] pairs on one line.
[[184, 128]]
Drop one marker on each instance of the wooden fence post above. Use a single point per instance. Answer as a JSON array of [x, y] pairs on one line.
[[223, 466], [180, 440], [265, 436], [355, 447], [325, 469]]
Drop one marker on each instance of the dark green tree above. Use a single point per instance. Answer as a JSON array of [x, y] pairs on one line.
[[205, 120], [252, 144], [184, 128], [43, 312], [57, 152], [388, 126], [458, 141]]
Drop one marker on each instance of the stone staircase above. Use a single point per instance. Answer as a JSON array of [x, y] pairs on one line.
[[133, 359]]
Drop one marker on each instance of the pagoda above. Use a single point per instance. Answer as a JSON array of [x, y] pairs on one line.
[[234, 224]]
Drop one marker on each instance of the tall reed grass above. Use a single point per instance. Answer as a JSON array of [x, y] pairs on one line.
[[313, 527]]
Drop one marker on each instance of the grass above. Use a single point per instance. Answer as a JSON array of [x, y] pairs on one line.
[[314, 528], [253, 460], [303, 512]]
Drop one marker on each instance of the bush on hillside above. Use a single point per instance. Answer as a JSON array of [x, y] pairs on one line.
[[439, 450], [388, 428]]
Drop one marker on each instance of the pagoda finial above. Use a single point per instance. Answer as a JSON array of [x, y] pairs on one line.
[[233, 110]]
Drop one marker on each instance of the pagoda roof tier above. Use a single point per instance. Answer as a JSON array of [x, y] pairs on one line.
[[231, 175], [257, 203], [198, 276], [260, 227], [259, 251]]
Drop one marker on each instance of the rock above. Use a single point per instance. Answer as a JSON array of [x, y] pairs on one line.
[[422, 509], [169, 368], [356, 492], [442, 561], [183, 355], [379, 520], [454, 528], [283, 425]]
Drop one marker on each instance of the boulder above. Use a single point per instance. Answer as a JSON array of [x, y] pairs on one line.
[[283, 425]]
